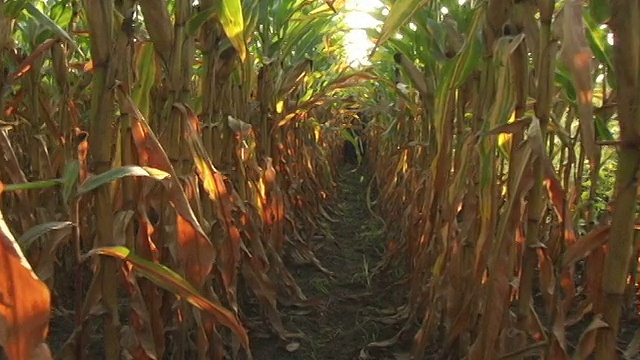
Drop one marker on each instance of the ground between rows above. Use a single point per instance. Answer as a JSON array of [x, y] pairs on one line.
[[352, 299]]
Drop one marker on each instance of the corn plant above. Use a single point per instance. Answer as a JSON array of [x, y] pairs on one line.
[[163, 159], [491, 161], [180, 151]]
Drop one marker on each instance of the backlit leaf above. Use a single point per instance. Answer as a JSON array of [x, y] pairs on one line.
[[230, 14], [95, 181], [399, 13]]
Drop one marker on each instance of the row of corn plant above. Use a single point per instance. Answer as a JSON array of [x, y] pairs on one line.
[[163, 161], [508, 123]]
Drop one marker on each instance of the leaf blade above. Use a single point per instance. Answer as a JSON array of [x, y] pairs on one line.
[[173, 282], [232, 20], [400, 12]]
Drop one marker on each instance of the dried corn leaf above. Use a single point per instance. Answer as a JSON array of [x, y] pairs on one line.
[[196, 252], [24, 301], [222, 197], [581, 248], [577, 56], [587, 342]]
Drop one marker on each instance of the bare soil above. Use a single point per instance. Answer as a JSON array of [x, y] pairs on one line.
[[352, 299]]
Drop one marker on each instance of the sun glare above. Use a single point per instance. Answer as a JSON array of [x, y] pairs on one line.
[[357, 43]]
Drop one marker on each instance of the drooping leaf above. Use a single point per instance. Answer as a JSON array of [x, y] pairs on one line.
[[174, 283], [222, 196], [195, 249], [581, 248], [399, 13], [230, 14], [558, 198], [520, 183], [45, 21], [35, 232], [27, 64], [95, 181]]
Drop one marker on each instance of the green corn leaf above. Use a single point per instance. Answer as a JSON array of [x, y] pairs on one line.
[[32, 185], [231, 18], [45, 21], [229, 12], [13, 8], [61, 12], [95, 181], [401, 11], [454, 71], [598, 41], [69, 179], [197, 20], [600, 10], [563, 78], [602, 131], [298, 36], [141, 93], [35, 232], [252, 10]]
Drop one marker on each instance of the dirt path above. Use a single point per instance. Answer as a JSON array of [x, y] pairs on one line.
[[352, 299]]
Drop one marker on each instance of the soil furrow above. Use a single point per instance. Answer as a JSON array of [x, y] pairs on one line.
[[350, 300]]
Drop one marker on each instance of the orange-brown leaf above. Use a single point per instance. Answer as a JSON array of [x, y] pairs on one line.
[[196, 251], [214, 184], [597, 237], [27, 64], [24, 301], [558, 198]]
